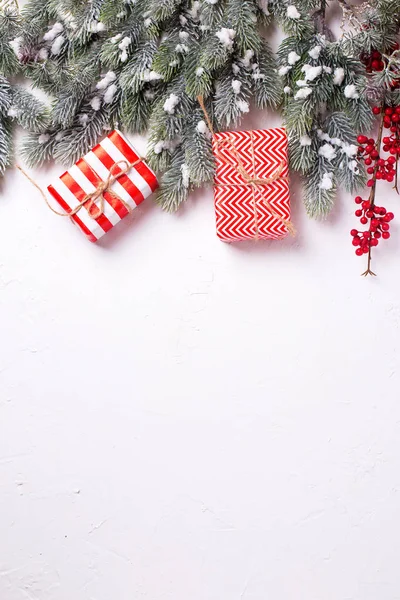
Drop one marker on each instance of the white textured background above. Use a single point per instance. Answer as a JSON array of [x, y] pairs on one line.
[[188, 420]]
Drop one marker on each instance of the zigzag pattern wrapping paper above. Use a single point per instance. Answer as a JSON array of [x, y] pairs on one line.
[[262, 153], [94, 168]]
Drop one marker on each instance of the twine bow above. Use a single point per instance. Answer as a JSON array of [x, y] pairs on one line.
[[251, 180], [103, 187], [106, 187]]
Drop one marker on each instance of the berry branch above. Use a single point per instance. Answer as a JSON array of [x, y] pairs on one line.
[[380, 169], [396, 179], [372, 206]]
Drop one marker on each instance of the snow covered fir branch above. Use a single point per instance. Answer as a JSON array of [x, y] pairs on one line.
[[326, 92], [141, 64], [17, 105]]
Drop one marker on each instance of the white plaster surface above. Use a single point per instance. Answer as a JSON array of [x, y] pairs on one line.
[[188, 420]]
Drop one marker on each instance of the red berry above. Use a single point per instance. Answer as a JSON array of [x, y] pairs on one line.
[[379, 175], [370, 170], [358, 213], [395, 118], [374, 242], [363, 220], [389, 216], [391, 160], [376, 54], [398, 110], [381, 162], [354, 232], [359, 251], [369, 214], [362, 139], [393, 129], [368, 161], [385, 226], [386, 235], [370, 183], [376, 110], [377, 234], [390, 178], [356, 241], [382, 211], [366, 204], [386, 140], [388, 111], [374, 154], [358, 200]]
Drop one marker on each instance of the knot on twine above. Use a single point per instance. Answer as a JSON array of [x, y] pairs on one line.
[[95, 211], [252, 180], [103, 187]]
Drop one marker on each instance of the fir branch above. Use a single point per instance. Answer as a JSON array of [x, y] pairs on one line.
[[78, 139], [28, 111], [136, 110], [5, 145], [317, 200], [174, 187], [198, 150], [5, 96], [37, 149]]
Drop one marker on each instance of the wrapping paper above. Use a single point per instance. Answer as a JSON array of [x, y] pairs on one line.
[[94, 168], [241, 211]]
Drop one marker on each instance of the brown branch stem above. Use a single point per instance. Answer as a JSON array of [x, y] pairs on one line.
[[372, 194], [396, 177]]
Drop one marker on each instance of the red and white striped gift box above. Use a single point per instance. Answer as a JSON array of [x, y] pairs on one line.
[[94, 168], [241, 210]]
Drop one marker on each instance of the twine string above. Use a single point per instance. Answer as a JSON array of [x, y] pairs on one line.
[[249, 179], [253, 188], [117, 170]]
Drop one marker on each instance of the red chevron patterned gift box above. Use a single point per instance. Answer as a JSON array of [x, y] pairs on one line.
[[251, 185], [104, 186]]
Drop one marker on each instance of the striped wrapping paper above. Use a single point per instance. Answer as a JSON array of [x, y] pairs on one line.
[[241, 212], [84, 177]]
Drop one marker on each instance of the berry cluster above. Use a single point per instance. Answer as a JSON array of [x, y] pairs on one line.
[[379, 168], [379, 226], [374, 62]]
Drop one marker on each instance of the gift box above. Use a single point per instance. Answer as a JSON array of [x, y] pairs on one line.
[[104, 186], [251, 185]]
